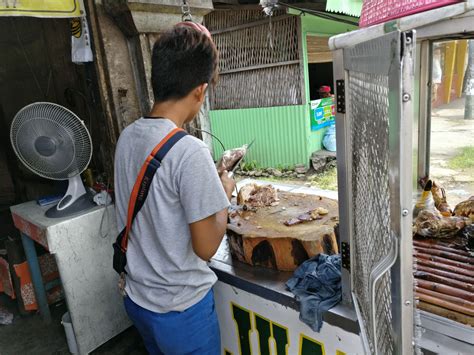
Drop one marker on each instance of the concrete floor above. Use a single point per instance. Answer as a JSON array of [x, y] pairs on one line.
[[450, 132], [29, 336]]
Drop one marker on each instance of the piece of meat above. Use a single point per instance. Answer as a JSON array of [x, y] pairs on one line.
[[431, 224], [465, 208], [307, 217], [439, 197], [254, 195], [230, 158]]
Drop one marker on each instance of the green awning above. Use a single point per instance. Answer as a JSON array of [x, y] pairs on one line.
[[348, 7]]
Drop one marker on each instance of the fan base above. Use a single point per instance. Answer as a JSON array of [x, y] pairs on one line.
[[82, 204]]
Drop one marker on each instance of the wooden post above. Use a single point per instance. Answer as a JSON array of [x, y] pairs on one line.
[[449, 69], [461, 58]]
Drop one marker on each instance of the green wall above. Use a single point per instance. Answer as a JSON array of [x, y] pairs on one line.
[[279, 132], [312, 25]]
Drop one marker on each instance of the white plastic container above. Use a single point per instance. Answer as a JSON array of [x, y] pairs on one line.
[[71, 338]]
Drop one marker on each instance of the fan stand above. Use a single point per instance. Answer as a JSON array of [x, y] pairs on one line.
[[76, 200]]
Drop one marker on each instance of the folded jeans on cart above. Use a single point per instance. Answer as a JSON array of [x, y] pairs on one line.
[[317, 286]]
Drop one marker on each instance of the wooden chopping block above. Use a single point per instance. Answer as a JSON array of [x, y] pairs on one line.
[[261, 238]]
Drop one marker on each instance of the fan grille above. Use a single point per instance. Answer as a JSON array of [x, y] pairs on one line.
[[51, 141]]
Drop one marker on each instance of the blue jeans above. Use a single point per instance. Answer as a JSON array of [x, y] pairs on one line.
[[193, 331]]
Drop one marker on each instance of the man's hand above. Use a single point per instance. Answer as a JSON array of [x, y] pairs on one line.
[[227, 183], [207, 234]]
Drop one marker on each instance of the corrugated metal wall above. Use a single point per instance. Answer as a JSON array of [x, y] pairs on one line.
[[280, 133]]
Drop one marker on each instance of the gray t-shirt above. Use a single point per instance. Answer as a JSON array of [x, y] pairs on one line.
[[164, 273]]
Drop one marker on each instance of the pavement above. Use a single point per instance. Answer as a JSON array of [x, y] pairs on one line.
[[450, 132]]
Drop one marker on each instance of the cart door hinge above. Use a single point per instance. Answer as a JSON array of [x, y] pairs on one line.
[[341, 96], [346, 255]]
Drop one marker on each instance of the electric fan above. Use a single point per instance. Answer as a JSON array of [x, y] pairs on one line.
[[54, 143]]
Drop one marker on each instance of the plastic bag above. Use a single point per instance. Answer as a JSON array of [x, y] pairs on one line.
[[81, 51], [6, 317], [329, 140], [230, 158]]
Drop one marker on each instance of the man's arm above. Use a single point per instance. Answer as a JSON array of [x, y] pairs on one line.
[[207, 234]]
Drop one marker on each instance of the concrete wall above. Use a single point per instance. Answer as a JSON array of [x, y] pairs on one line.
[[123, 35]]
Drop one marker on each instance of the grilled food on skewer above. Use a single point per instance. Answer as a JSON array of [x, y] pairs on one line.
[[441, 203], [433, 224], [465, 208]]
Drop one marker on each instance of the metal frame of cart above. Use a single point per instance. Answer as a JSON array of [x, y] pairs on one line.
[[374, 70]]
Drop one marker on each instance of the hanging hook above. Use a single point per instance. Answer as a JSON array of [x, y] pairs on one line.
[[186, 12], [270, 32]]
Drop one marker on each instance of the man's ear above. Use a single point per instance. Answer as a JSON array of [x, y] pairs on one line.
[[200, 92]]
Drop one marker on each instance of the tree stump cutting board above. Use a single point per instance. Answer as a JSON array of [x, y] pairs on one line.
[[259, 237]]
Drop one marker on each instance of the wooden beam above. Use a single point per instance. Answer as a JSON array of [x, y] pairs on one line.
[[120, 12], [263, 66], [250, 24]]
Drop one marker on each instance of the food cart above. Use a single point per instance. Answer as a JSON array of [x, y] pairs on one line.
[[382, 77]]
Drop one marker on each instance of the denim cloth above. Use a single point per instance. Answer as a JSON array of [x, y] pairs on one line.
[[193, 331], [317, 286]]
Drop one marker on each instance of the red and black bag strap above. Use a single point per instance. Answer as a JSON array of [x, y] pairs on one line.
[[145, 177]]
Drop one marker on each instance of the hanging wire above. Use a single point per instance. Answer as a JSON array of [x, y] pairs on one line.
[[108, 201], [270, 31], [26, 58], [213, 136]]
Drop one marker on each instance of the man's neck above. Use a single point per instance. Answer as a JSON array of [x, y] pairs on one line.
[[172, 110]]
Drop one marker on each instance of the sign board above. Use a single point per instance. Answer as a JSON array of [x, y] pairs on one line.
[[323, 113], [41, 8], [253, 325]]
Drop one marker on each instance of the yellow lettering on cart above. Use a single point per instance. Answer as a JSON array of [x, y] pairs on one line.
[[310, 346], [339, 352], [267, 330], [244, 327], [280, 334]]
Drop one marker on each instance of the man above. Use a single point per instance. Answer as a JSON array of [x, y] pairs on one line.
[[437, 74], [324, 92], [168, 283]]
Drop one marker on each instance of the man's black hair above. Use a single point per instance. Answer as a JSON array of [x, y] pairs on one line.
[[183, 58]]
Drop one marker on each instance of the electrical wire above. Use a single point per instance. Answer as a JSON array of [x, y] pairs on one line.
[[86, 103], [89, 114], [106, 212], [26, 57], [321, 14], [49, 82], [213, 136]]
